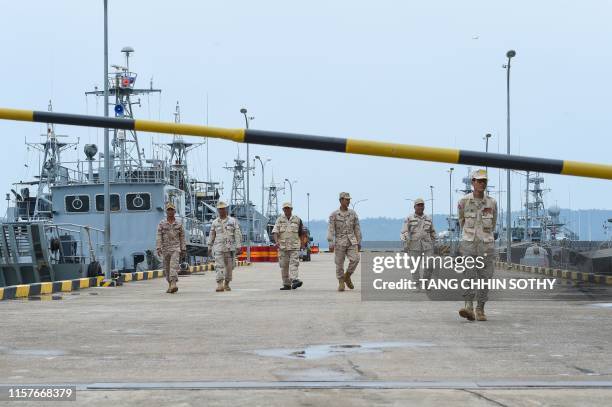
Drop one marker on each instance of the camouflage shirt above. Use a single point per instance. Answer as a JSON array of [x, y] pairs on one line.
[[170, 236], [344, 229]]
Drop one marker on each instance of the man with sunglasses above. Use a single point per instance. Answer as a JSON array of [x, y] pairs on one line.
[[477, 216]]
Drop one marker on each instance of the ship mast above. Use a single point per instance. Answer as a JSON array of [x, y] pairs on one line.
[[272, 210], [238, 199], [51, 168], [121, 85], [179, 173]]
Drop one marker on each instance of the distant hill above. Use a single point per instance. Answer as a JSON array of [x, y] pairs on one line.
[[587, 223]]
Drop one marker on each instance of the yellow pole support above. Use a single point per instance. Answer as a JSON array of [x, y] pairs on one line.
[[443, 155], [236, 135], [16, 114]]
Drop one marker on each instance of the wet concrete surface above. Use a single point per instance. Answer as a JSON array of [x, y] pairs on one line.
[[139, 334], [324, 351]]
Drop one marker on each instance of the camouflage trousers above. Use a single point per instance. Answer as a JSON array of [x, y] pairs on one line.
[[289, 261], [487, 252], [224, 265], [171, 265], [427, 271], [341, 253]]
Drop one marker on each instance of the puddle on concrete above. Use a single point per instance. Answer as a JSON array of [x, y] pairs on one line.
[[602, 305], [42, 297], [324, 351]]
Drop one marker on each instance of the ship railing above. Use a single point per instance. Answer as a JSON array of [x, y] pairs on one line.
[[196, 231], [78, 173], [140, 176], [38, 218], [122, 79], [15, 243], [67, 243], [75, 243]]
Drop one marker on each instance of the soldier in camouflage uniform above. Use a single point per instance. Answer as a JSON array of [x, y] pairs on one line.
[[171, 246], [344, 238], [419, 236], [477, 216], [287, 233], [225, 238]]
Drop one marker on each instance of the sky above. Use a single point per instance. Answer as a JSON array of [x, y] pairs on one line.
[[425, 73]]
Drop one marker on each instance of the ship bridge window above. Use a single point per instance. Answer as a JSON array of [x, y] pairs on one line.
[[115, 205], [138, 201], [77, 203]]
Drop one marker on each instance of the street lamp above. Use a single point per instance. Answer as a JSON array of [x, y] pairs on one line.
[[291, 189], [487, 137], [356, 202], [247, 120], [263, 165], [510, 54]]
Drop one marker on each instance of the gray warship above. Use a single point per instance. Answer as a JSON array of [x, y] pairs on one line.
[[56, 232], [540, 237]]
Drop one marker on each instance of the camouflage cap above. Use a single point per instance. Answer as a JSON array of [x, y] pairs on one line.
[[345, 195], [221, 205], [170, 205], [480, 174], [287, 205], [419, 201]]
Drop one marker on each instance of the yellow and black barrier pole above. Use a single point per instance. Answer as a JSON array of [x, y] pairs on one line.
[[341, 145]]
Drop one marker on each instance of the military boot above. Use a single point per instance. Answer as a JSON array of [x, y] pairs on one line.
[[467, 311], [341, 284], [226, 287], [219, 286], [173, 287], [347, 280], [480, 315]]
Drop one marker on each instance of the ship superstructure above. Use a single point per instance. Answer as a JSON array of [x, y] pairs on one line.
[[70, 197]]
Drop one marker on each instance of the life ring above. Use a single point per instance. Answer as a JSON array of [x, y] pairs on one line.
[[77, 203], [138, 202]]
